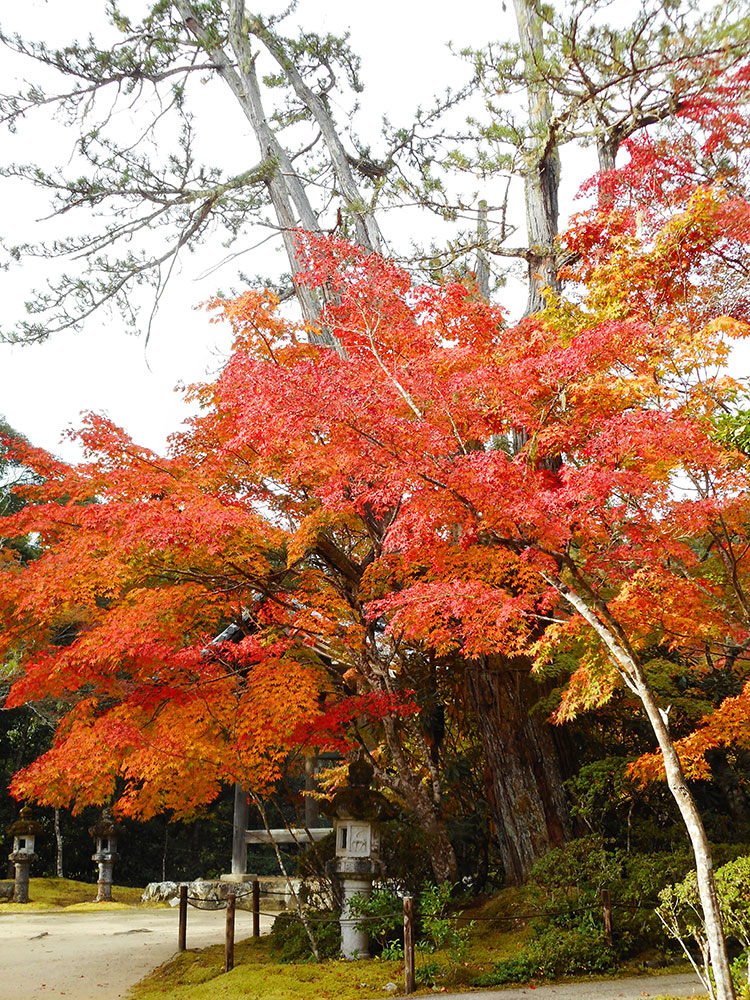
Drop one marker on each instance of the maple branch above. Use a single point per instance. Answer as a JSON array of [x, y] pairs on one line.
[[404, 394]]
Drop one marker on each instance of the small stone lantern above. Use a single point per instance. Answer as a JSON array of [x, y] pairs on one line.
[[105, 832], [357, 811], [24, 832]]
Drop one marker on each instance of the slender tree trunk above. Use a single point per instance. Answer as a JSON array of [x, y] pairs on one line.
[[239, 829], [58, 846], [483, 264], [288, 196], [704, 866], [525, 781], [366, 227], [622, 656]]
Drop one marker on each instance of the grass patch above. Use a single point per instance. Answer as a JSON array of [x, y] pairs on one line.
[[65, 894]]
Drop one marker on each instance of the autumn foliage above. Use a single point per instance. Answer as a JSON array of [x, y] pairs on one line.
[[439, 484]]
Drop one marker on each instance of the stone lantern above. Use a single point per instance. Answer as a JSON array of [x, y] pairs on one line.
[[24, 833], [357, 811], [105, 832]]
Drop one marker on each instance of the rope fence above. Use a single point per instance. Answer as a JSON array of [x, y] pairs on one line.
[[409, 915]]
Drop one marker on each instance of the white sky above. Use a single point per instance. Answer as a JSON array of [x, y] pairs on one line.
[[44, 388]]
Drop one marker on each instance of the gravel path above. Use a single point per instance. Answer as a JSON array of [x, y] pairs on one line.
[[99, 955], [679, 985]]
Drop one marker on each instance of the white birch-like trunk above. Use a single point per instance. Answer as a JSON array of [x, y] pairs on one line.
[[632, 674], [58, 846]]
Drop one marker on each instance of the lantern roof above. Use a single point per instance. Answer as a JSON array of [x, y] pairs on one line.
[[357, 800], [24, 824], [106, 825]]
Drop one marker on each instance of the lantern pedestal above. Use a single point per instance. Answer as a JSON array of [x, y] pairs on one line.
[[22, 862], [355, 941], [106, 864]]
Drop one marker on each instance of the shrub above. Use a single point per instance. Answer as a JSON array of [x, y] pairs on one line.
[[290, 943], [384, 910], [555, 952]]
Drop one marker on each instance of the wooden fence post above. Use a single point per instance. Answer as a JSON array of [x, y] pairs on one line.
[[182, 929], [256, 908], [409, 982], [229, 943], [607, 916]]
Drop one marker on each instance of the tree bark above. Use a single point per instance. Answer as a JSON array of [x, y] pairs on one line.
[[525, 777], [542, 167]]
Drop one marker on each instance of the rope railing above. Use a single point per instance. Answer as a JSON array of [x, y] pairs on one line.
[[410, 917]]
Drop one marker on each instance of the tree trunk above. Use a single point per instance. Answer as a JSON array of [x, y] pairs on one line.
[[422, 798], [622, 656], [442, 856], [704, 867], [542, 167], [239, 828], [58, 846], [525, 777]]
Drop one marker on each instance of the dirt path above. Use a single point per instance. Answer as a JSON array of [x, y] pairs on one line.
[[98, 956], [679, 985]]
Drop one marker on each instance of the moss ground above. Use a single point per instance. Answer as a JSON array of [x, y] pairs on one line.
[[67, 894], [199, 975]]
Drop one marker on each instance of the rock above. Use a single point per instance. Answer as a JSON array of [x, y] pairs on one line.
[[200, 891], [390, 987], [160, 892], [6, 891], [205, 891]]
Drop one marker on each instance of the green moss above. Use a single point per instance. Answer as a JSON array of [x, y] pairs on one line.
[[257, 976], [63, 893]]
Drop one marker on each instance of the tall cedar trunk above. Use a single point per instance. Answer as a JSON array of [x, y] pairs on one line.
[[524, 772]]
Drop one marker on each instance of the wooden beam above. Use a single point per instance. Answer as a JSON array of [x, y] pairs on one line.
[[284, 836]]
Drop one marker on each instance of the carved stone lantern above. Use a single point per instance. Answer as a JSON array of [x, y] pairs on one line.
[[357, 811], [105, 832], [24, 832]]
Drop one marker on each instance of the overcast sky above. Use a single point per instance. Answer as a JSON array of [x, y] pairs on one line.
[[44, 389]]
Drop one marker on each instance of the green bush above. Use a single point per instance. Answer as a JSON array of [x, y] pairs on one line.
[[555, 952], [436, 928], [565, 888], [290, 943], [384, 910]]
